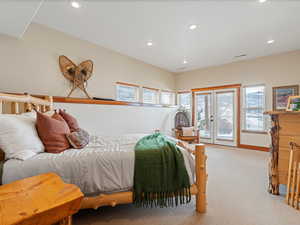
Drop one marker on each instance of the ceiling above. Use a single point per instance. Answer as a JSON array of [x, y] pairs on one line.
[[225, 28], [15, 16]]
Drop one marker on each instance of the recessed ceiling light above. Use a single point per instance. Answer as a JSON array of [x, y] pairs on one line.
[[193, 27], [185, 62], [75, 4], [262, 1], [149, 43], [271, 41]]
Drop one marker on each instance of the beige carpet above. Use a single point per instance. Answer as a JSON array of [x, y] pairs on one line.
[[237, 195]]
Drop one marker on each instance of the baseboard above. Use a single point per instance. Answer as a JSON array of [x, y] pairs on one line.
[[253, 147]]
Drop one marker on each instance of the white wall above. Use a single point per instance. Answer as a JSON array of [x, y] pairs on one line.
[[115, 120], [275, 70], [31, 65]]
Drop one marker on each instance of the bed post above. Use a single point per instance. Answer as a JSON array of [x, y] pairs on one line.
[[50, 99], [201, 178], [66, 221]]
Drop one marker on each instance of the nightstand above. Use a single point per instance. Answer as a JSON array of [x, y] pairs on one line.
[[40, 200]]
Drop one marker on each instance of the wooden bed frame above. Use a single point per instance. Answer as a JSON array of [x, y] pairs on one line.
[[15, 104]]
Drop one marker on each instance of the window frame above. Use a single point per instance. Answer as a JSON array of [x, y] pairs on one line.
[[151, 89], [137, 92], [244, 110], [172, 100]]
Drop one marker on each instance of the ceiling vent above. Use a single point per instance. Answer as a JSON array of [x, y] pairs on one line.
[[181, 68], [240, 56]]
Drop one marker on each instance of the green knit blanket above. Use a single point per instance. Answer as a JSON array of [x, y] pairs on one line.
[[160, 176]]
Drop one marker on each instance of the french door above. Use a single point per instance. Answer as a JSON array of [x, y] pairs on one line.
[[216, 116]]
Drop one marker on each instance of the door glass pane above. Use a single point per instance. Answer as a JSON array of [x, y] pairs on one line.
[[225, 115], [203, 114]]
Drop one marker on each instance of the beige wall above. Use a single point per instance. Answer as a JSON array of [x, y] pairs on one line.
[[276, 70], [30, 65]]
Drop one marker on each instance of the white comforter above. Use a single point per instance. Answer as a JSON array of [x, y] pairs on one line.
[[105, 165]]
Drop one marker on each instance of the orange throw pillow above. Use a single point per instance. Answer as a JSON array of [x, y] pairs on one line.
[[52, 131], [71, 121]]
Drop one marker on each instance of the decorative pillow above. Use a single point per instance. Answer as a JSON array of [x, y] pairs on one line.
[[71, 121], [18, 137], [52, 131], [188, 131], [78, 139]]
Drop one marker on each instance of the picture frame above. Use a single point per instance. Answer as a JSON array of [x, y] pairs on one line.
[[293, 104], [281, 96]]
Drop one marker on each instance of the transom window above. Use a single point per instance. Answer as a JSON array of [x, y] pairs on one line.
[[127, 92], [150, 95], [184, 99], [254, 107], [167, 98]]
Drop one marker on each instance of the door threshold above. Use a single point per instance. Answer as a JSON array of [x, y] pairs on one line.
[[220, 146], [244, 147]]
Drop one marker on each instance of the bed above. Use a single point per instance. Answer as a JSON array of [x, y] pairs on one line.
[[103, 170]]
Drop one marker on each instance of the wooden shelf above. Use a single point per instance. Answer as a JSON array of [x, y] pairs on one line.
[[104, 102], [60, 99]]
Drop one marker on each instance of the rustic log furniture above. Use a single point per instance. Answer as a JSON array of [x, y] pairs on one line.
[[179, 135], [39, 200], [27, 102], [285, 129], [293, 184]]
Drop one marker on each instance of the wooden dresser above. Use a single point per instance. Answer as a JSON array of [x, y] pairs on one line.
[[285, 129]]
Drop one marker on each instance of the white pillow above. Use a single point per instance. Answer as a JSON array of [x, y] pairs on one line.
[[188, 131], [32, 114], [18, 137]]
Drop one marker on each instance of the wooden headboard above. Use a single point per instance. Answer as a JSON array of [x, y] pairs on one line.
[[16, 104]]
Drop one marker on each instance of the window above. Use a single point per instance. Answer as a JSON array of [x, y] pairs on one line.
[[184, 99], [254, 107], [150, 95], [127, 92], [167, 98]]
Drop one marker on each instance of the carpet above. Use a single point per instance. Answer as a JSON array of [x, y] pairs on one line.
[[237, 195]]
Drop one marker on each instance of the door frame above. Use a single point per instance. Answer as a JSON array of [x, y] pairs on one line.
[[231, 86]]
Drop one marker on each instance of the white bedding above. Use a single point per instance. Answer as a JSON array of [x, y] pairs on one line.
[[105, 165]]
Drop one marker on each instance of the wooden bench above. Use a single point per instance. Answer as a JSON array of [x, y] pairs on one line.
[[39, 200]]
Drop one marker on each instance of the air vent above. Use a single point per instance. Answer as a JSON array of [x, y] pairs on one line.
[[240, 56]]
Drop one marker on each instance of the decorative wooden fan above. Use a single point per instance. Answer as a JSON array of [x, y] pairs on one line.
[[78, 75]]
